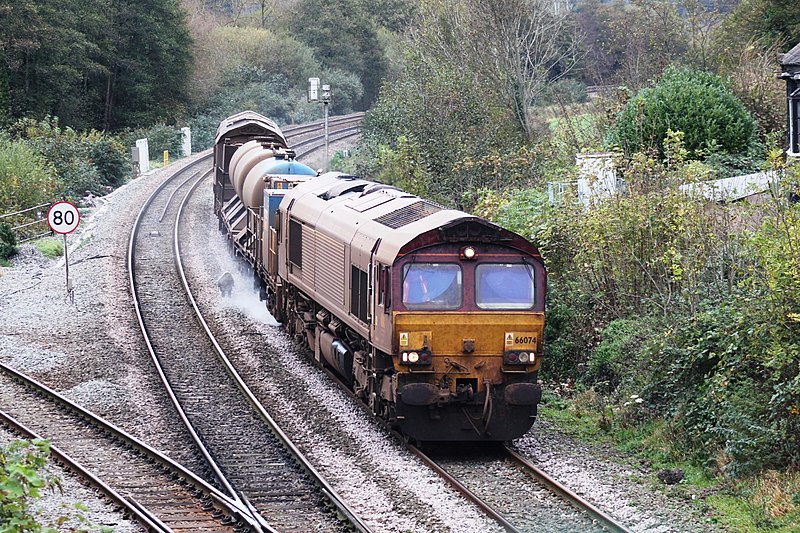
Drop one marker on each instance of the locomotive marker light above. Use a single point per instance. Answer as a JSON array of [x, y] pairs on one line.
[[63, 218]]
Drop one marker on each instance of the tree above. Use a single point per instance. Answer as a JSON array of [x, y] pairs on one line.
[[26, 178], [96, 63], [517, 47], [699, 104], [767, 21], [344, 37], [146, 78], [50, 49], [702, 19]]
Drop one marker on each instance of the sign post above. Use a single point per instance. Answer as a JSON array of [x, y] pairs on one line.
[[326, 99], [63, 218]]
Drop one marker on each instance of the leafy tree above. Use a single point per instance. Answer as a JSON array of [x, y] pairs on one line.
[[99, 63], [344, 36], [514, 47], [50, 49], [697, 103], [764, 21], [231, 48], [147, 74], [445, 157], [630, 43]]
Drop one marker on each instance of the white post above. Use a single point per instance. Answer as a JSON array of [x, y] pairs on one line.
[[144, 155], [186, 145]]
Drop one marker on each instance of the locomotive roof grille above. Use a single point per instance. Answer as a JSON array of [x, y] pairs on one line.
[[406, 215]]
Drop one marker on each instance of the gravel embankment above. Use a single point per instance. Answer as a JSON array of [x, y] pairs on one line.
[[92, 352]]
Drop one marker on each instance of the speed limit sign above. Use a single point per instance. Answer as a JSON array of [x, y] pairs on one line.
[[63, 217]]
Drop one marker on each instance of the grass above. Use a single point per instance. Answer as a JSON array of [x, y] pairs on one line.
[[768, 502], [50, 247]]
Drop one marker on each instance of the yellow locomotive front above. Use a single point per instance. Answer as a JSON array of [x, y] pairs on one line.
[[468, 322]]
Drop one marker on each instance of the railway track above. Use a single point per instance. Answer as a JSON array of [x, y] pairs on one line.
[[249, 458], [299, 133], [529, 499], [159, 493]]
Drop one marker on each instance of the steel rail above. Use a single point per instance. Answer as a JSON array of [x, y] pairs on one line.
[[332, 137], [463, 490], [330, 493], [545, 480], [300, 129], [449, 479], [242, 510], [141, 515], [564, 492], [221, 499]]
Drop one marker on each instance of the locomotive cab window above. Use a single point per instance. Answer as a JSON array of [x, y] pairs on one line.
[[504, 286], [432, 286]]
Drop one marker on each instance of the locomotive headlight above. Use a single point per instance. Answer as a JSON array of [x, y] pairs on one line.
[[523, 357], [413, 357], [468, 253]]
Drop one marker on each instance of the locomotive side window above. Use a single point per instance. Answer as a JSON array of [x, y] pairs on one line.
[[432, 286], [358, 293], [387, 287], [504, 286], [296, 243]]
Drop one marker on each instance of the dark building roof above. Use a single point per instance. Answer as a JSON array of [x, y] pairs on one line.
[[791, 58]]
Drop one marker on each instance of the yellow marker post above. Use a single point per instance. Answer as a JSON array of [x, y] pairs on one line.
[[166, 157]]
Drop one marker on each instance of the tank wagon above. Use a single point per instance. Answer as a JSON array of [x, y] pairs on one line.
[[432, 316]]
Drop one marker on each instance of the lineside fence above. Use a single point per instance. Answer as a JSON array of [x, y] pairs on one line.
[[28, 224]]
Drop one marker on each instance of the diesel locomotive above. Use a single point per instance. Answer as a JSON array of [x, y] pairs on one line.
[[432, 316]]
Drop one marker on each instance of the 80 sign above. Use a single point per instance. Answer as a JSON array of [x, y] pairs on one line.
[[63, 217]]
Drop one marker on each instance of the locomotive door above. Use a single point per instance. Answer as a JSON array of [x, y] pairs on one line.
[[362, 252], [374, 279]]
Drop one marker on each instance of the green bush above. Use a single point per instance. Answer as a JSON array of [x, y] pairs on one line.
[[697, 103], [27, 179], [730, 380], [91, 162], [8, 242], [21, 479], [615, 359]]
